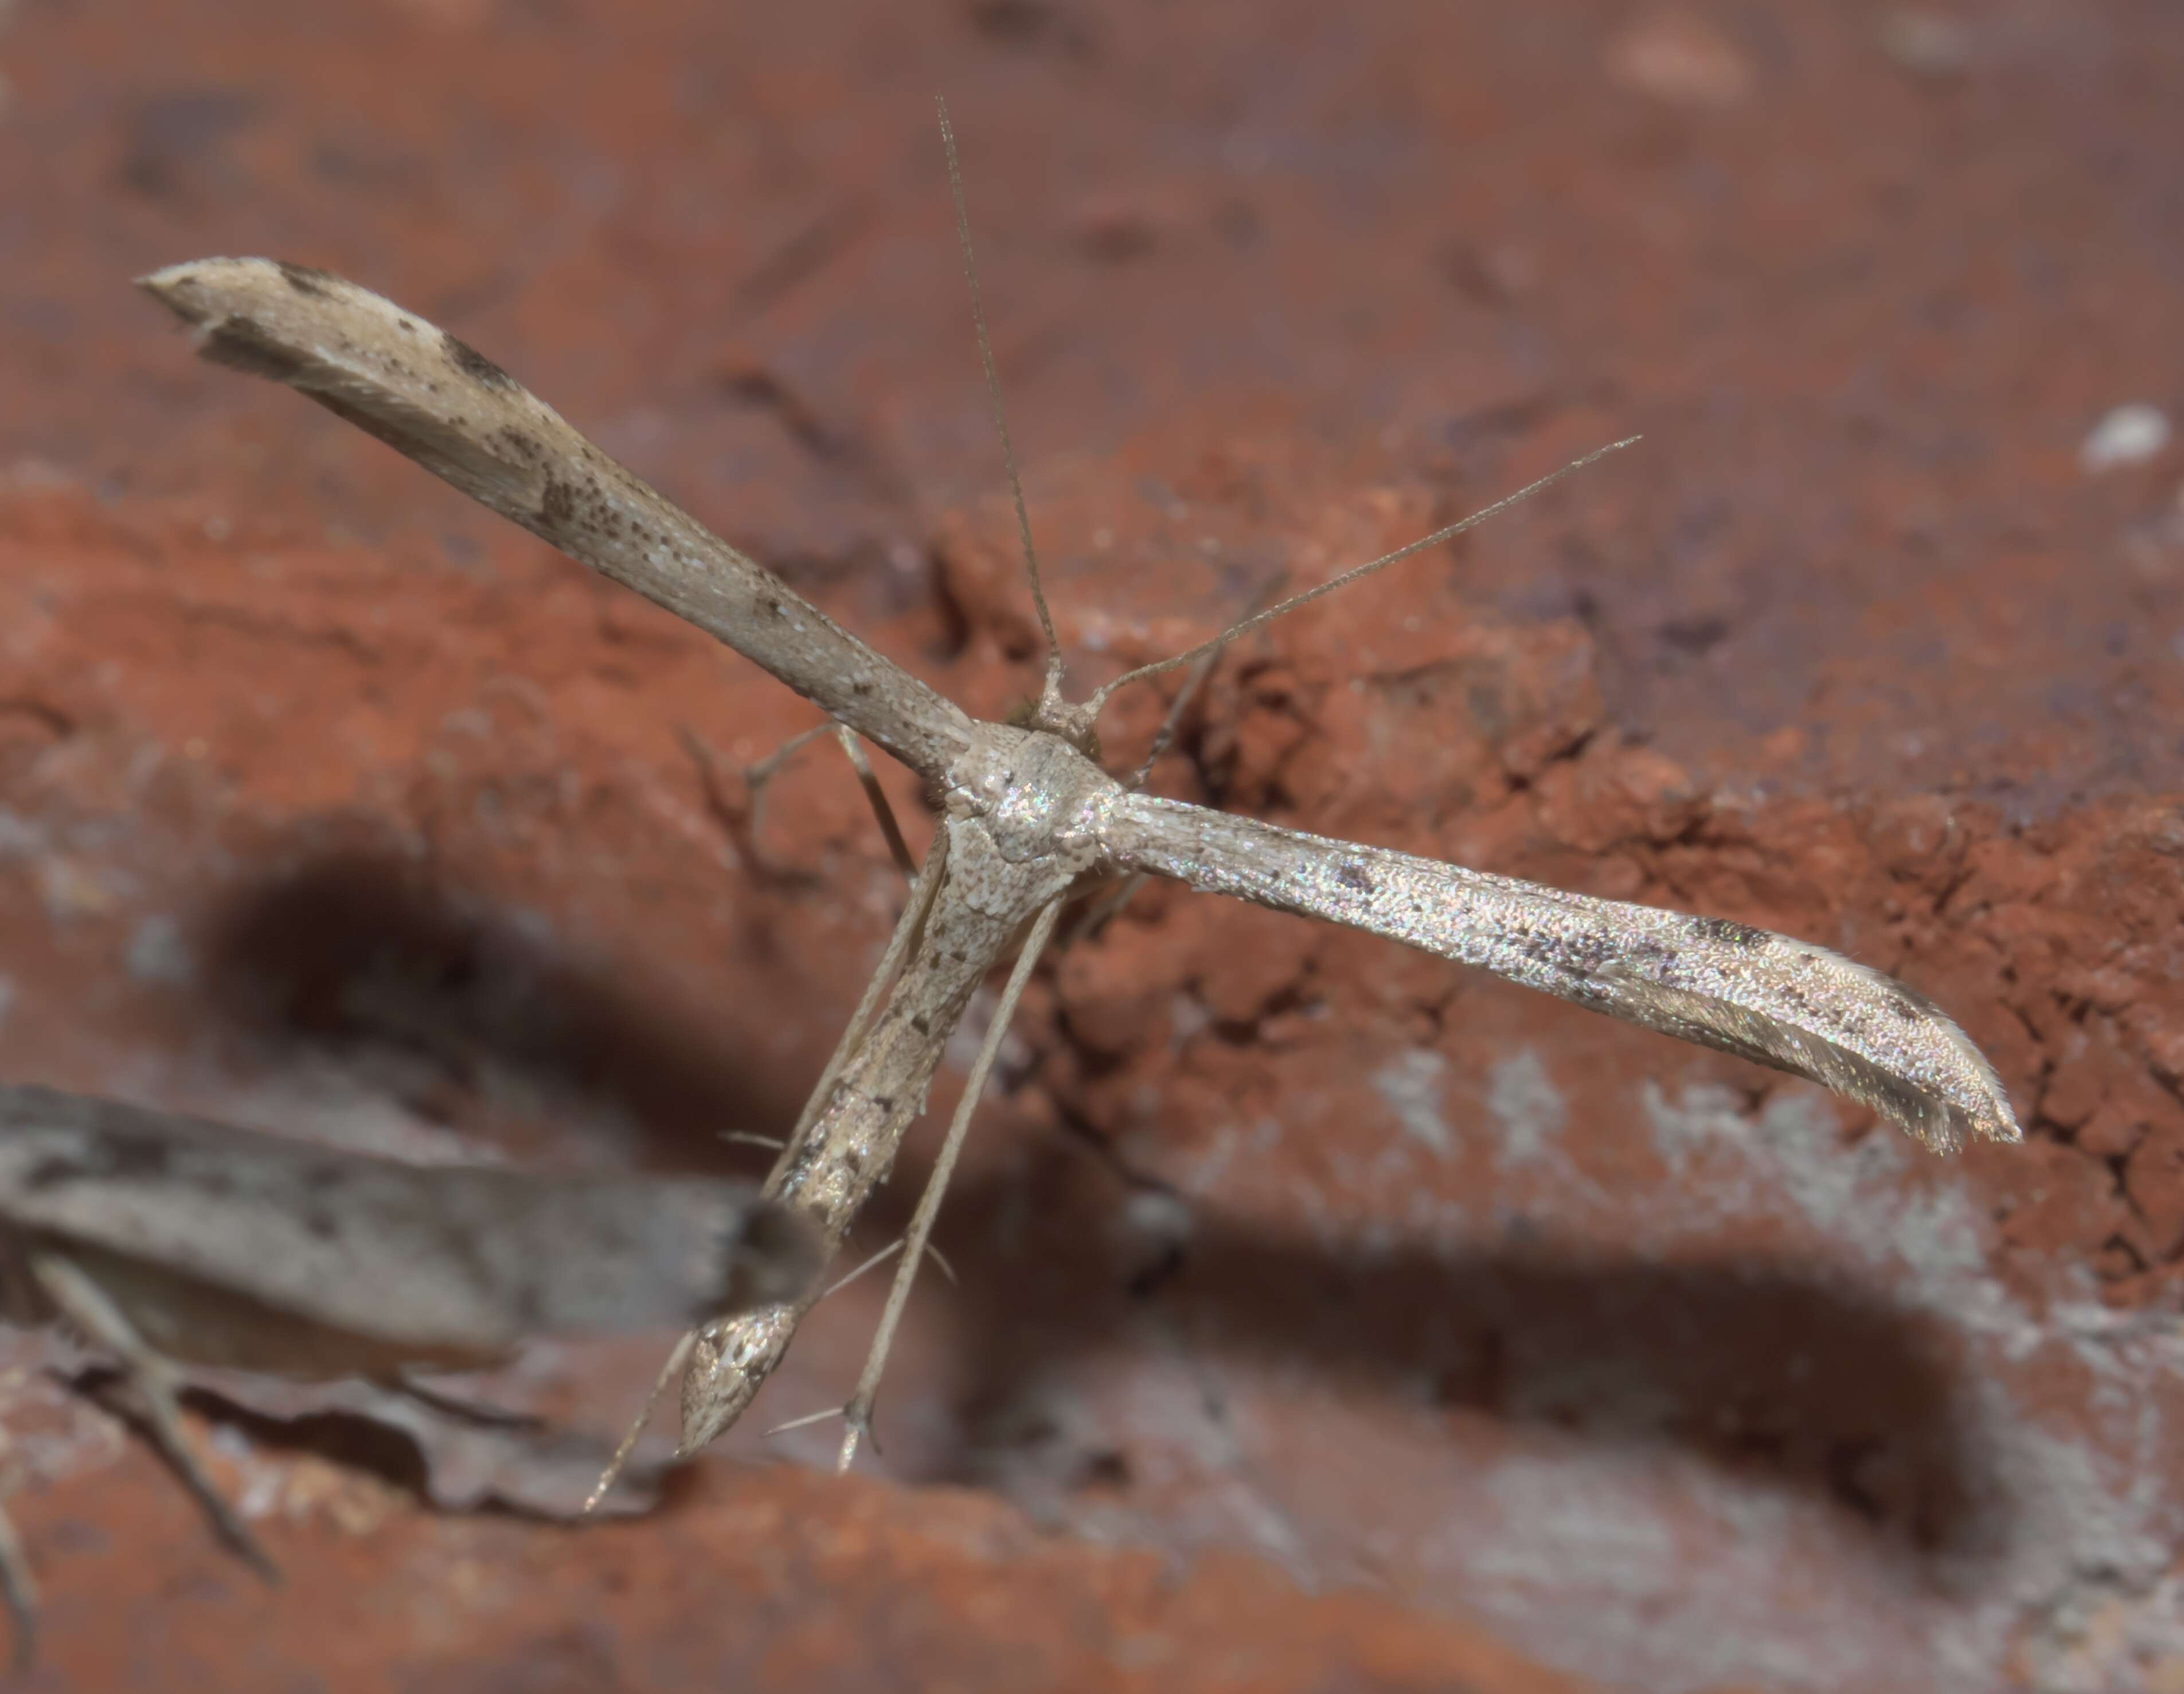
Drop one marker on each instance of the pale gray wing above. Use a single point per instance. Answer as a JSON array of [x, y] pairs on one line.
[[440, 401], [1765, 997], [448, 1258]]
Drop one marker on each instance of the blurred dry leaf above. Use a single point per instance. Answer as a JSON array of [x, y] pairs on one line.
[[463, 1464]]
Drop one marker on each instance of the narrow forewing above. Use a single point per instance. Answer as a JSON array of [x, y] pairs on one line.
[[1780, 1002], [453, 411]]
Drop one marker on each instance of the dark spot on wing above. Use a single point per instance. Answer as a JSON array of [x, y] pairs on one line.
[[241, 345], [520, 444], [557, 506], [1353, 875], [1729, 932], [305, 279], [473, 364], [1910, 1006]]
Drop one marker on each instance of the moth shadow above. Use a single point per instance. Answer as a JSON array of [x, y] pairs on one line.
[[1769, 1373], [468, 1014], [1765, 1370]]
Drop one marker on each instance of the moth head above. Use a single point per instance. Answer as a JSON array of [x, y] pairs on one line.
[[1077, 724]]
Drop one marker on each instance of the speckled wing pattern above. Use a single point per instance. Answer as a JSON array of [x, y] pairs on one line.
[[1780, 1002], [437, 400]]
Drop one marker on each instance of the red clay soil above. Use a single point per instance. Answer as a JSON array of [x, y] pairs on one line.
[[1326, 1319]]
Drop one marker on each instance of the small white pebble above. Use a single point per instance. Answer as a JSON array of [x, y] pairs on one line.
[[2129, 435]]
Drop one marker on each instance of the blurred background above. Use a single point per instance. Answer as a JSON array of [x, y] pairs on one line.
[[1324, 1319]]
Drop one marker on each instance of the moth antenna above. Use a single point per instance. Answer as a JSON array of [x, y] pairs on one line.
[[1282, 608], [1051, 691], [1208, 657]]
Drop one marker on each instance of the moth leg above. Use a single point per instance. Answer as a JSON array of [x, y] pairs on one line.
[[875, 797], [675, 1360], [730, 1358], [1099, 912], [85, 1304], [840, 1283], [20, 1589], [858, 1413], [746, 821], [880, 1258]]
